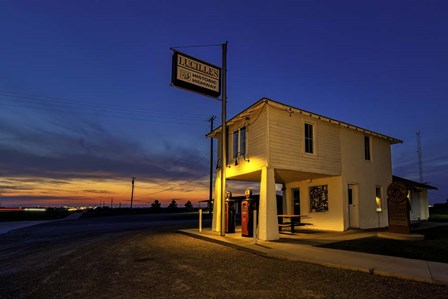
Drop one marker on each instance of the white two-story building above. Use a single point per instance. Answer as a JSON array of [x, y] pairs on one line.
[[334, 172]]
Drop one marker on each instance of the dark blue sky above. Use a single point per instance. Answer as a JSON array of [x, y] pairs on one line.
[[84, 85]]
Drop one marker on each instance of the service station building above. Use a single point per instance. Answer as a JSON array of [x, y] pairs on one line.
[[334, 172]]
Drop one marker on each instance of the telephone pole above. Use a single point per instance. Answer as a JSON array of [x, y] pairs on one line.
[[132, 193], [223, 137], [209, 205]]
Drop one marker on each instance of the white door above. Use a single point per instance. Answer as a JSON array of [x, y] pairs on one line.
[[353, 202]]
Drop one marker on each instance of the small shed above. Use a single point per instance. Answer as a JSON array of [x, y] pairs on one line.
[[418, 198]]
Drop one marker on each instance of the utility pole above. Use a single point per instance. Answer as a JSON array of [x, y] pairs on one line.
[[223, 137], [209, 205], [419, 152], [132, 193]]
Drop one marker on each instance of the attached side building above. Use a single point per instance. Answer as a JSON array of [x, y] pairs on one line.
[[333, 172], [418, 199]]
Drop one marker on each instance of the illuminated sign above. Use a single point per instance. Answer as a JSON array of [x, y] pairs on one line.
[[195, 75]]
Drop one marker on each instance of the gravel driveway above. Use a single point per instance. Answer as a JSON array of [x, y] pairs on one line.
[[143, 256]]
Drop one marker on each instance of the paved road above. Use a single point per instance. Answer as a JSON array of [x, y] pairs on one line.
[[144, 257]]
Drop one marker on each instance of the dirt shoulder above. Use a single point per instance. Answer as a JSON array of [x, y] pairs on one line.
[[89, 259]]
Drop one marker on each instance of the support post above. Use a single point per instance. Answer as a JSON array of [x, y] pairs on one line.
[[267, 209], [200, 220], [255, 227], [210, 196], [223, 136], [132, 192], [216, 223]]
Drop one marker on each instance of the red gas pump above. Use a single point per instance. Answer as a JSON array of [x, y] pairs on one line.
[[247, 215]]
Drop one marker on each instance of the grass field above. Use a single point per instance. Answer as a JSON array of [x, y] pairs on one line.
[[439, 217], [433, 248], [438, 213]]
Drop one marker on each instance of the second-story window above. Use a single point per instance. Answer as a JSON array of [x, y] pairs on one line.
[[239, 142], [243, 140], [366, 148], [235, 143], [309, 140]]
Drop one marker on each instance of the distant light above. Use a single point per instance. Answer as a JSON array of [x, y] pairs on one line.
[[35, 209]]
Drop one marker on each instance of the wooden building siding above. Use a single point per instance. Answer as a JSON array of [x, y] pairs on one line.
[[286, 144], [256, 134], [367, 174], [256, 137]]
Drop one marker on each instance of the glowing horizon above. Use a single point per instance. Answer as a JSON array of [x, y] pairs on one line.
[[89, 192]]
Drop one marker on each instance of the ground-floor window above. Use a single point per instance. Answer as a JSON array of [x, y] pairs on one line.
[[379, 205], [319, 198]]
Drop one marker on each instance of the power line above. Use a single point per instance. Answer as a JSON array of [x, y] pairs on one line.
[[38, 102], [172, 188], [103, 110]]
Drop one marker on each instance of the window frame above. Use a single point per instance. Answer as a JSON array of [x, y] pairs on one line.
[[379, 198], [367, 148], [308, 141], [239, 145], [236, 143], [243, 141]]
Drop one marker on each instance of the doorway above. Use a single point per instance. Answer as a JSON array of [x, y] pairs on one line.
[[296, 201], [353, 203]]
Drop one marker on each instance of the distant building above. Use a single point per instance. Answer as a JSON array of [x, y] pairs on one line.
[[418, 199], [332, 171]]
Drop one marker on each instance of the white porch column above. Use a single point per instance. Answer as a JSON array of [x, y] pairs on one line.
[[216, 220], [267, 207]]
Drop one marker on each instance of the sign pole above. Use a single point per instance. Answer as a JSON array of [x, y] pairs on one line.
[[223, 136], [206, 79]]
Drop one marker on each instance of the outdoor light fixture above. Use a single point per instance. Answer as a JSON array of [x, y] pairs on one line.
[[238, 155]]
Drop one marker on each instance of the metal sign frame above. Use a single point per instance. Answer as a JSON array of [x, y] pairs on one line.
[[202, 68]]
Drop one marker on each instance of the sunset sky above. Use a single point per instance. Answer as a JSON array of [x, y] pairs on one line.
[[86, 101]]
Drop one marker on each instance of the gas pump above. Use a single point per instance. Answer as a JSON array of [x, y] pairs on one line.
[[230, 213], [248, 206]]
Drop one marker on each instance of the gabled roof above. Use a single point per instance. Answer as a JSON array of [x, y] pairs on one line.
[[413, 183], [291, 109]]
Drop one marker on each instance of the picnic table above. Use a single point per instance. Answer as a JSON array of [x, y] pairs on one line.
[[293, 219]]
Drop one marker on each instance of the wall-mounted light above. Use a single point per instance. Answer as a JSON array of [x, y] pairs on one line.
[[238, 155]]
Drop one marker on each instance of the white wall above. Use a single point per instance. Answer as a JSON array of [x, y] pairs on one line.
[[256, 144], [419, 205], [286, 144], [330, 220], [367, 175]]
